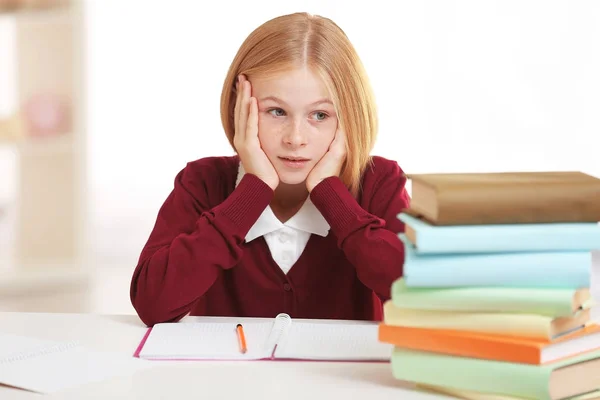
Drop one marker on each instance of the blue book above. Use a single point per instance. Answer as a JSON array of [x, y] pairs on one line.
[[431, 239], [561, 269]]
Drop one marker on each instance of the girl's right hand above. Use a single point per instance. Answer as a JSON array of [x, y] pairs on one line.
[[246, 141]]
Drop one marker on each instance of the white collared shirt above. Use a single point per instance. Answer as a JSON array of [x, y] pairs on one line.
[[287, 240]]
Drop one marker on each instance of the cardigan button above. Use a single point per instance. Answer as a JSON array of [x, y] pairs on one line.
[[287, 287]]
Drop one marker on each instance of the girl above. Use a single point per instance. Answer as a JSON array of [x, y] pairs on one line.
[[301, 220]]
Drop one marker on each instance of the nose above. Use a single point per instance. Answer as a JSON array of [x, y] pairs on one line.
[[294, 136]]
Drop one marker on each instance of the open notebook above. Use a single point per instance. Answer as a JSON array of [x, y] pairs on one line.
[[215, 338]]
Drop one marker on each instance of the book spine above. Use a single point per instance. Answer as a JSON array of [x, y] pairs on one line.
[[506, 278], [509, 238], [458, 372], [523, 325], [524, 203], [535, 270], [555, 303], [467, 394], [459, 345]]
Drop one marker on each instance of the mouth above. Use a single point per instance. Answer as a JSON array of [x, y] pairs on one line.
[[294, 162], [295, 159]]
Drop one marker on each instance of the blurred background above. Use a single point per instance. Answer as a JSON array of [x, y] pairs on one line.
[[102, 102]]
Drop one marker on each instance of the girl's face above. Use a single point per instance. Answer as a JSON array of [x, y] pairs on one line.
[[296, 121]]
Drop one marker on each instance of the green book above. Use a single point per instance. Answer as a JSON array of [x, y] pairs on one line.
[[562, 379], [471, 395], [542, 301]]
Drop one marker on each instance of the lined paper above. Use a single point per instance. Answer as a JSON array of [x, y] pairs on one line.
[[216, 340], [282, 337], [46, 366], [333, 341]]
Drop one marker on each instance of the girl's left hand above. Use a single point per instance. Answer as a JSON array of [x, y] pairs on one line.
[[331, 163]]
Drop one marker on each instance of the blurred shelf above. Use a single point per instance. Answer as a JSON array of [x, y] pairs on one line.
[[49, 226], [26, 279], [48, 145], [7, 225], [6, 145], [52, 144], [45, 288], [59, 9], [35, 15]]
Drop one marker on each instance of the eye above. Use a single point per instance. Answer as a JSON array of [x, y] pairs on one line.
[[276, 112], [320, 115]]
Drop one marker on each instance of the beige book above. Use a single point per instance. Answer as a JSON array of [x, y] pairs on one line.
[[512, 324]]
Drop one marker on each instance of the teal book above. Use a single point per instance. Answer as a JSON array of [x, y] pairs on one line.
[[449, 239], [563, 269], [562, 379], [540, 301]]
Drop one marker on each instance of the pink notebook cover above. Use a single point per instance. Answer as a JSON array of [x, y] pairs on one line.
[[141, 345]]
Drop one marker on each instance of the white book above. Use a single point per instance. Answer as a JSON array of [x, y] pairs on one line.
[[217, 338], [46, 366]]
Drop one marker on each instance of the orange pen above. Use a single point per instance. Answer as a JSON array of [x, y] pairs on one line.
[[241, 338]]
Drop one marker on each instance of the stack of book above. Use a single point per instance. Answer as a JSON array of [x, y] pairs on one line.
[[495, 301]]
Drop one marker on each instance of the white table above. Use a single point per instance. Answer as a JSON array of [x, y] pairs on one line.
[[202, 379]]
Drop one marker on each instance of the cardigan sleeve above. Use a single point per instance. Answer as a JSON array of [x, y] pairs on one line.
[[191, 243], [368, 234]]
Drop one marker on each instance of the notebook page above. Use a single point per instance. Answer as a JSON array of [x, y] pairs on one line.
[[210, 340], [12, 346], [45, 366], [336, 340]]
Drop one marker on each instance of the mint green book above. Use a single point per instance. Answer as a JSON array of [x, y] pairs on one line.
[[543, 301], [559, 380], [471, 395]]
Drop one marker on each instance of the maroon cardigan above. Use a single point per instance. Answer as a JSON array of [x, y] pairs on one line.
[[196, 260]]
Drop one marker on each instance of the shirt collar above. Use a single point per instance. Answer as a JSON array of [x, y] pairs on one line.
[[308, 219]]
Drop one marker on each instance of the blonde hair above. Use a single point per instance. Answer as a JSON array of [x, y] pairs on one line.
[[302, 39]]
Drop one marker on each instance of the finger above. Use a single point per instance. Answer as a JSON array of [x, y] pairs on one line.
[[240, 102], [244, 106], [337, 138], [252, 123], [236, 112], [339, 142]]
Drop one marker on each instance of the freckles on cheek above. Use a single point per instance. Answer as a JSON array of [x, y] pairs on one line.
[[263, 126], [268, 136], [269, 128]]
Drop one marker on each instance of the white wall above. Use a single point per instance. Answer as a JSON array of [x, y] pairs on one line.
[[461, 85]]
